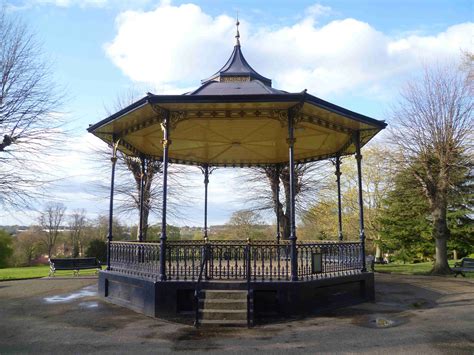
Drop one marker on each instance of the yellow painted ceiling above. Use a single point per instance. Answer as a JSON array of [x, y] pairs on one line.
[[234, 133]]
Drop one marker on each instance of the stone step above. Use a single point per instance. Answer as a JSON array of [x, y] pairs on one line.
[[223, 304], [222, 315], [224, 294], [224, 322]]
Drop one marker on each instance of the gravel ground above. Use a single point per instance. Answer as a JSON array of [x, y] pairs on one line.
[[411, 315]]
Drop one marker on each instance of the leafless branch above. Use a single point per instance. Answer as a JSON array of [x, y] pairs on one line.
[[30, 125]]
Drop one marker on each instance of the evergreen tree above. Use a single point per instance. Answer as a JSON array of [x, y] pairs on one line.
[[406, 221], [461, 217], [406, 231]]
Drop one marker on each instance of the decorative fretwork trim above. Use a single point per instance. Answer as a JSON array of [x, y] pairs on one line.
[[230, 79]]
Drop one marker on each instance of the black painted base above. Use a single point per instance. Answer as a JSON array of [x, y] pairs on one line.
[[174, 299]]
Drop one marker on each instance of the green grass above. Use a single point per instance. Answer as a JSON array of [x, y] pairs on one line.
[[33, 272], [411, 269]]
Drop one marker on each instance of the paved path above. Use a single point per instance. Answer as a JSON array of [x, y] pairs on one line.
[[412, 315]]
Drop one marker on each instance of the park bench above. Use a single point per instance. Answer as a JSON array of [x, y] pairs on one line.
[[465, 265], [74, 264]]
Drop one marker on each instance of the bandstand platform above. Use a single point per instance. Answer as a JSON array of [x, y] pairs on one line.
[[232, 282], [236, 119]]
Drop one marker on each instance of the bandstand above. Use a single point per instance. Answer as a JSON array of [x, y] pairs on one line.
[[236, 119]]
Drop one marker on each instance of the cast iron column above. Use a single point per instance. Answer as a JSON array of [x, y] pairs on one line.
[[142, 197], [111, 205], [166, 143], [277, 203], [205, 171], [361, 201], [291, 163], [339, 204]]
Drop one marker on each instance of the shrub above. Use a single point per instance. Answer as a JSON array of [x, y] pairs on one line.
[[97, 248], [6, 249]]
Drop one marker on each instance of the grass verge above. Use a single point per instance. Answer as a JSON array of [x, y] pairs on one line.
[[34, 272], [412, 269]]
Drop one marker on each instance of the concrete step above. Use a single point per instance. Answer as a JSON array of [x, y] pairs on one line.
[[224, 322], [223, 304], [224, 294], [222, 315], [223, 307]]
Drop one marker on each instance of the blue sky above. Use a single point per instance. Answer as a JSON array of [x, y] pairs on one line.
[[353, 53]]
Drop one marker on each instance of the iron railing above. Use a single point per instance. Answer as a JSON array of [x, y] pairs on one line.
[[236, 260], [134, 258], [322, 260], [197, 291]]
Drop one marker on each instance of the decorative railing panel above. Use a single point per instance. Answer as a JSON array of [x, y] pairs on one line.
[[227, 261], [140, 259], [270, 261], [237, 260], [183, 260], [322, 260]]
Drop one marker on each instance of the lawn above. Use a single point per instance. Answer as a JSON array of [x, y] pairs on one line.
[[411, 269], [33, 272]]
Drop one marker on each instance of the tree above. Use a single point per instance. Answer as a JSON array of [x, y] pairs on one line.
[[28, 119], [127, 192], [404, 220], [6, 249], [270, 189], [27, 246], [100, 229], [77, 225], [320, 220], [150, 193], [246, 224], [97, 248], [433, 128], [377, 181], [172, 232], [50, 221], [460, 217]]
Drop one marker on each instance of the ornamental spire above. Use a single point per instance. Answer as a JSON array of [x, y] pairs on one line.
[[237, 36]]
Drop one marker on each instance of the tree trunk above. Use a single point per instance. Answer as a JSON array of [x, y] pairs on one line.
[[455, 254], [440, 235], [273, 176], [285, 225], [146, 213], [378, 253], [286, 215], [75, 250]]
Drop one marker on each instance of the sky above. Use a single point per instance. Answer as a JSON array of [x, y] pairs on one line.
[[356, 54]]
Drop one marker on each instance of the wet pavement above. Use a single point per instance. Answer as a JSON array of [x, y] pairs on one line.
[[412, 314]]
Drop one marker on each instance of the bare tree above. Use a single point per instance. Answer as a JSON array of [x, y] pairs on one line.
[[467, 64], [28, 119], [50, 221], [433, 129], [269, 189], [27, 246], [128, 195], [77, 225]]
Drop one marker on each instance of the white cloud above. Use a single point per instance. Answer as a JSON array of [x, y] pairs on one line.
[[318, 10], [80, 3], [176, 46], [170, 44]]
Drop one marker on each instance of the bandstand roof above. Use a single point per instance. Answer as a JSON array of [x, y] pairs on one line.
[[236, 118]]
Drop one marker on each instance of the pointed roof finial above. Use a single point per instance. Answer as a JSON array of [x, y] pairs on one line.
[[237, 36]]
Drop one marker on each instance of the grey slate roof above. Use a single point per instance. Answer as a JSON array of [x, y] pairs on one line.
[[253, 87], [237, 66]]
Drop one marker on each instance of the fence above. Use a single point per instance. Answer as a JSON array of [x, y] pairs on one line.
[[236, 260]]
